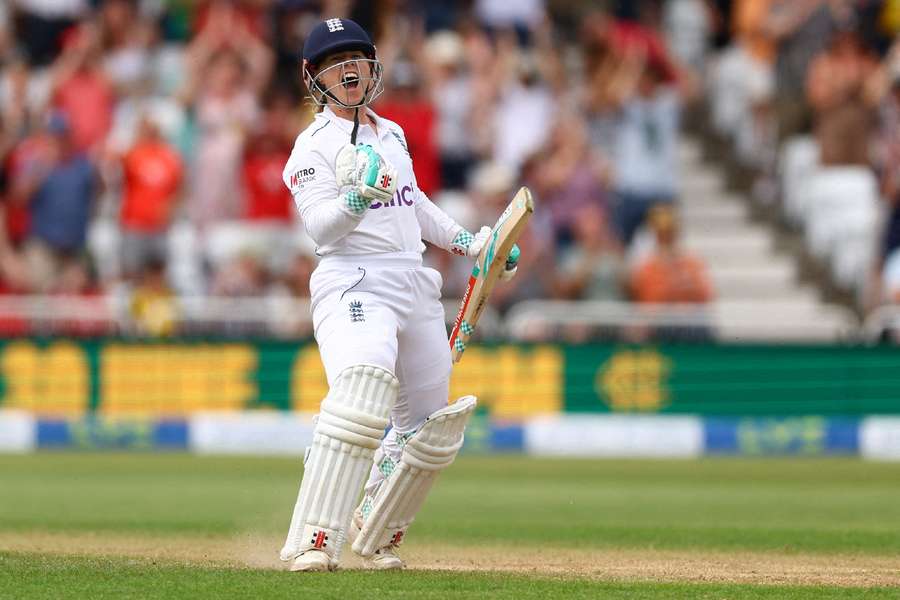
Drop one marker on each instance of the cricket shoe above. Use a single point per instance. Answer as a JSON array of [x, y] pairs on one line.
[[384, 559], [312, 560]]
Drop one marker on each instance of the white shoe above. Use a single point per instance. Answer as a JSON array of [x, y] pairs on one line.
[[312, 560], [384, 559]]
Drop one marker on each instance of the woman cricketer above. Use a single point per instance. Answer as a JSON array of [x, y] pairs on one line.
[[378, 319]]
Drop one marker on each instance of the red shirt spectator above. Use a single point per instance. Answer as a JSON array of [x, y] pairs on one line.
[[152, 171], [87, 99], [266, 196], [411, 110]]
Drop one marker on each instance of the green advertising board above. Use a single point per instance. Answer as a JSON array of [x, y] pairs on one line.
[[512, 381]]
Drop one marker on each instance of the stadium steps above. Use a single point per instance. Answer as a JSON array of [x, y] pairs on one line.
[[752, 274]]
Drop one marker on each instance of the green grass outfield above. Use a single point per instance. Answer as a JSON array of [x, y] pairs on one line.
[[97, 525]]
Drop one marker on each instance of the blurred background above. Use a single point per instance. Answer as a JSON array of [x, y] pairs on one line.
[[716, 234]]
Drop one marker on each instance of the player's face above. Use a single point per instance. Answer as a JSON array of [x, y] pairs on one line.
[[346, 75]]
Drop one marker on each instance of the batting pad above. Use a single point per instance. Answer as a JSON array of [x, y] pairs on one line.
[[429, 451], [348, 429]]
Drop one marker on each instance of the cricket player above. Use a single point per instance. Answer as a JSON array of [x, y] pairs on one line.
[[378, 319]]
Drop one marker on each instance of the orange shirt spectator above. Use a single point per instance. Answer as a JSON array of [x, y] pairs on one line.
[[670, 275], [152, 173]]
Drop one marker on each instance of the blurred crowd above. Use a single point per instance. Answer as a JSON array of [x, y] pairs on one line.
[[807, 94], [142, 141]]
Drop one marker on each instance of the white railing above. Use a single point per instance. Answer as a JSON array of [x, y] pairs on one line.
[[530, 320], [724, 320], [884, 320]]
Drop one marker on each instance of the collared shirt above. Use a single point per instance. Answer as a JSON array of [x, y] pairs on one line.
[[399, 225]]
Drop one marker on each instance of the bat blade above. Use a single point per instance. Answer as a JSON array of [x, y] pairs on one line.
[[488, 266]]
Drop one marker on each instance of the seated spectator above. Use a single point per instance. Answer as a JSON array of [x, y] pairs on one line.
[[59, 186], [669, 275], [592, 267], [152, 307], [293, 286], [835, 85], [152, 174], [243, 276], [570, 175], [266, 198]]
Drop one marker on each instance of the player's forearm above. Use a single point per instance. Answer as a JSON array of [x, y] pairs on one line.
[[328, 222], [438, 227]]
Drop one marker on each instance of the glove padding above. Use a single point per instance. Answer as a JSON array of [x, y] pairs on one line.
[[477, 245], [369, 176]]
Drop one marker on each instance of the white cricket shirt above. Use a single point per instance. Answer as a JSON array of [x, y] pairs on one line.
[[396, 226]]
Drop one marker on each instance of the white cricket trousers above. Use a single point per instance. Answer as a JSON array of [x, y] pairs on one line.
[[385, 310]]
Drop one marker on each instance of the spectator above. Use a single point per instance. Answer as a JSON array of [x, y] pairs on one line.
[[645, 156], [523, 97], [452, 92], [405, 104], [244, 275], [801, 30], [592, 267], [152, 175], [82, 91], [126, 40], [669, 275], [152, 308], [41, 25], [228, 68], [59, 185], [570, 175], [293, 286], [835, 85], [266, 198]]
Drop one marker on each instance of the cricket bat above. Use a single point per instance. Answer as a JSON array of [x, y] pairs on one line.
[[490, 262]]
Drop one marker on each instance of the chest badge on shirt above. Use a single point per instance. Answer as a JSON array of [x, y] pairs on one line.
[[356, 311]]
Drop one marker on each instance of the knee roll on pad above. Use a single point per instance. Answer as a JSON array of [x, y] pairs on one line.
[[349, 428], [431, 449]]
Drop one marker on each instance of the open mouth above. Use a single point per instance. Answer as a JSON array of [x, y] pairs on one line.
[[350, 81]]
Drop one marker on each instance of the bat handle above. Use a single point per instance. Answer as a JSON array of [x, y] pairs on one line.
[[513, 258]]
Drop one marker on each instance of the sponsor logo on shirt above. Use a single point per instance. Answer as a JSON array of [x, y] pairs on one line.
[[301, 177], [402, 197]]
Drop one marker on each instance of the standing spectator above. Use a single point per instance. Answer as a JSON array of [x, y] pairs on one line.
[[451, 89], [152, 175], [645, 157], [266, 198], [523, 97], [835, 86], [82, 91], [41, 25], [801, 29], [669, 275], [228, 68], [405, 104], [59, 185], [126, 40]]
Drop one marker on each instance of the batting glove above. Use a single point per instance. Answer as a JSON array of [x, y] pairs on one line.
[[369, 176]]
